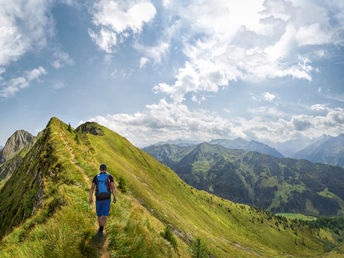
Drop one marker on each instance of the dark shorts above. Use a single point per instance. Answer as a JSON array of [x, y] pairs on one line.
[[103, 207]]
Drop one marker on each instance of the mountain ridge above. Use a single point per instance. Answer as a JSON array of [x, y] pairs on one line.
[[245, 145]]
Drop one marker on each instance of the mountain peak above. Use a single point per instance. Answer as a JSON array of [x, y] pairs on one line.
[[15, 142]]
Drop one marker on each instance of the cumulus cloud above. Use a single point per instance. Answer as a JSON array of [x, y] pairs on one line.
[[283, 129], [227, 41], [24, 25], [168, 121], [119, 19], [11, 87]]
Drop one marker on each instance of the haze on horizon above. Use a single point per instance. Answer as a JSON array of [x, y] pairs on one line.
[[165, 70]]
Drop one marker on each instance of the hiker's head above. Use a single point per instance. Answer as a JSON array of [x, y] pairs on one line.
[[102, 167]]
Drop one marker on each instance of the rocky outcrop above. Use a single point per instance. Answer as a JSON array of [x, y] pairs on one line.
[[15, 143], [90, 127]]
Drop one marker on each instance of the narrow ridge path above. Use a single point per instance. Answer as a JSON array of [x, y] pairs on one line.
[[103, 249]]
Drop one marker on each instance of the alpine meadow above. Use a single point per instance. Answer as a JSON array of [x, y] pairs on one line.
[[171, 128]]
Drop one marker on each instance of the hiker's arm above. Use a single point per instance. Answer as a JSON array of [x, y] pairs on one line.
[[91, 192], [113, 189]]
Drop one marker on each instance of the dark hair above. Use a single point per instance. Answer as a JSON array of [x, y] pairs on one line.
[[102, 167]]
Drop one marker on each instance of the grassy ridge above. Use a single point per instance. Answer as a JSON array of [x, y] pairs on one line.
[[64, 224]]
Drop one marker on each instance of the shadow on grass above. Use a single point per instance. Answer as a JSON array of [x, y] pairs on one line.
[[98, 240]]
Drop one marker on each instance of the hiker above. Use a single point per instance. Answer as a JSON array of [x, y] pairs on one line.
[[104, 186]]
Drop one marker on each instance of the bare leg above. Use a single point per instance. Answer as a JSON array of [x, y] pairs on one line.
[[102, 221]]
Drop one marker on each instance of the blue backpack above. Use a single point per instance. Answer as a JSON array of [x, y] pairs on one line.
[[103, 191]]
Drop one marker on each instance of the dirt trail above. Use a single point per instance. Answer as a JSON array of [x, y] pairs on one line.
[[101, 243]]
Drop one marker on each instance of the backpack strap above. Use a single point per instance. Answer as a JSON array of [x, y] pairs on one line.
[[97, 187], [108, 186]]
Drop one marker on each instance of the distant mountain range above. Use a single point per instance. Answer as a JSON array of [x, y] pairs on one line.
[[179, 142], [237, 143], [328, 149], [290, 147], [245, 145], [275, 184]]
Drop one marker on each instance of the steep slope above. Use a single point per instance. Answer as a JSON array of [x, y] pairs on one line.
[[11, 165], [242, 144], [279, 185], [54, 218], [328, 150], [168, 154], [15, 143]]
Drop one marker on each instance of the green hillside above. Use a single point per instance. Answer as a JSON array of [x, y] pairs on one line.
[[274, 184], [44, 207]]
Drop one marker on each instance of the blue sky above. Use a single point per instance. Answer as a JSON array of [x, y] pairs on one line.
[[163, 70]]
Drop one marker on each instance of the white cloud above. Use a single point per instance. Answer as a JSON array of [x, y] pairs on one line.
[[24, 25], [35, 73], [165, 3], [269, 97], [167, 121], [318, 107], [105, 39], [119, 19], [11, 87], [305, 35], [143, 61], [283, 129], [156, 52], [61, 59], [232, 40]]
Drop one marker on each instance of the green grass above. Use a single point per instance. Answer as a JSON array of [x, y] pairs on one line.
[[156, 197]]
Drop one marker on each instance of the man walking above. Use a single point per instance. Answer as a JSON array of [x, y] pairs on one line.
[[104, 186]]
